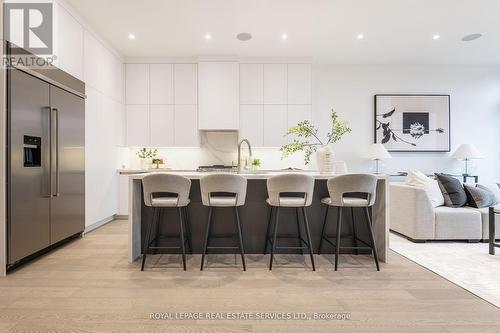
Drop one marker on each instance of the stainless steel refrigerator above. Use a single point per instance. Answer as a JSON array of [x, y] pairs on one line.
[[46, 160]]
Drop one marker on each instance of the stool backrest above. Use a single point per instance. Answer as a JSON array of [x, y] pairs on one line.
[[166, 183], [223, 183], [290, 183], [352, 183]]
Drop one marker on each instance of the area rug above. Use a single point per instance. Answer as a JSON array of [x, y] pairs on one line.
[[466, 264]]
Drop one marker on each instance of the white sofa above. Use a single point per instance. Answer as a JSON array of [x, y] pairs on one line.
[[413, 216]]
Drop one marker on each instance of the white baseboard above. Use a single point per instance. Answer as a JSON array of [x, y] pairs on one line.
[[98, 224]]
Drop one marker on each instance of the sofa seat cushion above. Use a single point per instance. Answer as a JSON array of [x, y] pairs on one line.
[[458, 223], [485, 218]]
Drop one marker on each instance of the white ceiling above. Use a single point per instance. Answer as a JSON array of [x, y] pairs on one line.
[[396, 31]]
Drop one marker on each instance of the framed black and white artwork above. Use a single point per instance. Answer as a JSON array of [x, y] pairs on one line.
[[413, 123]]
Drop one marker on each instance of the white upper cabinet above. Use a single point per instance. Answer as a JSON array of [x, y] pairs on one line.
[[275, 125], [275, 84], [218, 89], [138, 126], [252, 124], [298, 113], [161, 83], [186, 126], [137, 84], [186, 84], [299, 84], [162, 125], [251, 84], [69, 44]]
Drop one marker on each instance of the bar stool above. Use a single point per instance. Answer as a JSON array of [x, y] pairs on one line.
[[350, 184], [223, 190], [163, 191], [289, 191]]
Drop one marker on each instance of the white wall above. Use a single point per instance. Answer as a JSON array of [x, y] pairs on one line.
[[475, 111]]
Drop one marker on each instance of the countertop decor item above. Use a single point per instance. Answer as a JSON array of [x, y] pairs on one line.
[[256, 163], [378, 152], [467, 152], [306, 139], [413, 123], [146, 156]]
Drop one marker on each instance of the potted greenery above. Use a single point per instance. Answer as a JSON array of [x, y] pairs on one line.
[[306, 139], [146, 156], [256, 163]]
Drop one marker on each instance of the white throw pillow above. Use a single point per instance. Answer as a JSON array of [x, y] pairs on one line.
[[495, 189], [430, 186]]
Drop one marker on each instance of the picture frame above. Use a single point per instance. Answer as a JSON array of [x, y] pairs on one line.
[[413, 122]]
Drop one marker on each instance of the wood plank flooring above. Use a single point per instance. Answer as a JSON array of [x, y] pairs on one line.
[[88, 286]]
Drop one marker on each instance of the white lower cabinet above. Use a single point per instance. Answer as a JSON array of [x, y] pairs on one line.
[[162, 125], [275, 125], [138, 126], [186, 126], [252, 124], [123, 184]]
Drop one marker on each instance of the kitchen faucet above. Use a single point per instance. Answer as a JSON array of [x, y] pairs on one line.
[[240, 167]]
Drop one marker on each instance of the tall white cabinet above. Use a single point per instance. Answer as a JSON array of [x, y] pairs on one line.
[[162, 105], [273, 97]]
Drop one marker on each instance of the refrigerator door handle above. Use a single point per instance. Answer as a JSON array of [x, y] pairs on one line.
[[47, 165], [55, 148]]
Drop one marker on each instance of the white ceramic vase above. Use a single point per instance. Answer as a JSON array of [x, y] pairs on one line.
[[324, 159], [145, 163]]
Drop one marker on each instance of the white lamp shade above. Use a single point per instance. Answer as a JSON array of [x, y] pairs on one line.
[[377, 151], [467, 151]]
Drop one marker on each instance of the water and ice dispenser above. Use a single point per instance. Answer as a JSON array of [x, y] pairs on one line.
[[32, 151]]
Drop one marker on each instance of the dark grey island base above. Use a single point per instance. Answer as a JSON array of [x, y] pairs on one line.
[[254, 217]]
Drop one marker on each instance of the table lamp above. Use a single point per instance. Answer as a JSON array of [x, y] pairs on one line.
[[467, 152], [378, 152]]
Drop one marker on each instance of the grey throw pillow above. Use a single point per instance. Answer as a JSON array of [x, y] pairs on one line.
[[453, 191], [479, 197]]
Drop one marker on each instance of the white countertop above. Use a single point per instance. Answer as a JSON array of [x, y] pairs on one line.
[[139, 174]]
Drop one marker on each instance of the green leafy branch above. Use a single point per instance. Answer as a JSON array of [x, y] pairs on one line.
[[147, 152], [306, 137]]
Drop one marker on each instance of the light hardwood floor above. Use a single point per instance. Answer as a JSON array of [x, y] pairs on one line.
[[88, 286]]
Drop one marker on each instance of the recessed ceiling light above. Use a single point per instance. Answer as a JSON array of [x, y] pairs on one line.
[[208, 36], [436, 37], [244, 36], [471, 37], [284, 36], [361, 36], [131, 36]]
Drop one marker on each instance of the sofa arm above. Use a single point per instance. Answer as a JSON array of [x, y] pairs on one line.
[[411, 212]]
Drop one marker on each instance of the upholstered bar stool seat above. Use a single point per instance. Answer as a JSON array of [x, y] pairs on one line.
[[223, 190], [289, 191], [343, 191], [162, 191]]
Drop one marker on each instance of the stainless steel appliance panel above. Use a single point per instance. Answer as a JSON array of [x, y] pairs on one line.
[[68, 164], [28, 187]]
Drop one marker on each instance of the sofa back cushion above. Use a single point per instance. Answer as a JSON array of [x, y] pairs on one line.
[[479, 196], [430, 186], [452, 189]]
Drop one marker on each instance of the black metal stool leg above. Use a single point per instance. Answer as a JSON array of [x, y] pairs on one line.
[[275, 234], [268, 229], [309, 241], [242, 249], [370, 233], [354, 234], [323, 229], [188, 229], [145, 246], [183, 239], [337, 246], [205, 243], [157, 228], [299, 232]]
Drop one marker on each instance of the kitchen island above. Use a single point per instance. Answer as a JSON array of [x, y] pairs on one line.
[[254, 216]]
